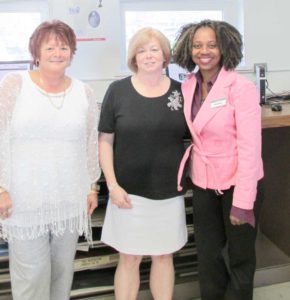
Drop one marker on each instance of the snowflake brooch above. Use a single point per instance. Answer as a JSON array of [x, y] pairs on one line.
[[175, 100]]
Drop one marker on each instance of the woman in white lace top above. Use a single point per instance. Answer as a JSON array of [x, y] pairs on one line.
[[48, 166]]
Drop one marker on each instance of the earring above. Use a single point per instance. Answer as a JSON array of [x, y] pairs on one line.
[[37, 62]]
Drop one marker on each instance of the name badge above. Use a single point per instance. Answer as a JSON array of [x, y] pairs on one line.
[[218, 103]]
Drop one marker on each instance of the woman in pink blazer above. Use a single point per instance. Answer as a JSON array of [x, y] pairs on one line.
[[224, 117]]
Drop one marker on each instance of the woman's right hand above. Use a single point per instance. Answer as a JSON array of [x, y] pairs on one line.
[[5, 206], [120, 197]]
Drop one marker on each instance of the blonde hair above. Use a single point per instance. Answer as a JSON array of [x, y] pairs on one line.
[[142, 37]]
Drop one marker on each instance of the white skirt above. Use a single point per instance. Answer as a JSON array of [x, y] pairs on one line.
[[150, 227]]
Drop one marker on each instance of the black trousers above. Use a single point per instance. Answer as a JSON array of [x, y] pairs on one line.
[[226, 253]]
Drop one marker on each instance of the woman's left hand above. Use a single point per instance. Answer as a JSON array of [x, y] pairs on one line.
[[240, 216], [92, 202], [236, 221]]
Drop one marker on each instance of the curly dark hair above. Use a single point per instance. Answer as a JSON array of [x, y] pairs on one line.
[[228, 38]]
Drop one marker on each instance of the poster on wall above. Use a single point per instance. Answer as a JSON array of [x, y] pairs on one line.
[[85, 17], [97, 56]]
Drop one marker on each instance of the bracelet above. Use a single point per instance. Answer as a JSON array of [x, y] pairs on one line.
[[93, 192], [111, 187], [95, 188], [2, 190]]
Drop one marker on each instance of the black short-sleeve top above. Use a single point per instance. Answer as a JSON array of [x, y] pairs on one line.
[[148, 138]]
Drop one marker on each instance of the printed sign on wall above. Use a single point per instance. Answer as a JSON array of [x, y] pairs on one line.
[[85, 17]]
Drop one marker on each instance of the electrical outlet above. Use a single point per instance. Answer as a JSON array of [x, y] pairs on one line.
[[260, 65]]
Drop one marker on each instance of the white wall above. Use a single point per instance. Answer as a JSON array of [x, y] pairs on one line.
[[94, 59], [266, 40]]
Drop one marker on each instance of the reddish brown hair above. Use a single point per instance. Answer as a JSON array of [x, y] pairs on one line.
[[62, 31]]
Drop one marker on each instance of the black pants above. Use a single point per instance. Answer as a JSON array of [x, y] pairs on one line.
[[226, 253]]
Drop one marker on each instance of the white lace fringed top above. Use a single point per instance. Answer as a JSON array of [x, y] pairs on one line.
[[48, 157]]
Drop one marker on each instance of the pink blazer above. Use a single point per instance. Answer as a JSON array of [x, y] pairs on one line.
[[226, 135]]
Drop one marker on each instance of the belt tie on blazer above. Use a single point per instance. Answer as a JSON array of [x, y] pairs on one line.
[[204, 159]]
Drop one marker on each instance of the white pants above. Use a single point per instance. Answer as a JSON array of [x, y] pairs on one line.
[[42, 269]]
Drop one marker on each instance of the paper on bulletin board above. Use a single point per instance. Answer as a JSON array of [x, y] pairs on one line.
[[85, 17]]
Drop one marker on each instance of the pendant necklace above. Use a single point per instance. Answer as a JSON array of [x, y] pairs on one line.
[[56, 104]]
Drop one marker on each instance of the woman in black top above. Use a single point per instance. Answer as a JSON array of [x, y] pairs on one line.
[[141, 145]]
